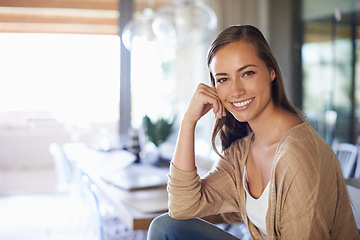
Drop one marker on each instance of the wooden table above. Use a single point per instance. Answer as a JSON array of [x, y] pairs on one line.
[[136, 208]]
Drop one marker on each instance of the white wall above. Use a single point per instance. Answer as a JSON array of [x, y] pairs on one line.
[[235, 12]]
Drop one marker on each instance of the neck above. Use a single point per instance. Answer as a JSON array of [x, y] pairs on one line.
[[270, 128]]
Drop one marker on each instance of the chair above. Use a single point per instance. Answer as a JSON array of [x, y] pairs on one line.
[[100, 223], [346, 154], [357, 169], [62, 168], [94, 223]]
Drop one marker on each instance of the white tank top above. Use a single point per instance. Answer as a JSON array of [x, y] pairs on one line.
[[256, 209]]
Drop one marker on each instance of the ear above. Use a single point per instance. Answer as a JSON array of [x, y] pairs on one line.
[[272, 74]]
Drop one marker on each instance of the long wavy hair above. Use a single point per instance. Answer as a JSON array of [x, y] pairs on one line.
[[228, 128]]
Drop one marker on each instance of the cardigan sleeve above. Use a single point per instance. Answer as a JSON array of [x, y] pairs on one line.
[[190, 196]]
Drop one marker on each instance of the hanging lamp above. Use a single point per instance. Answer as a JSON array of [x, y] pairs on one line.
[[140, 28], [184, 23]]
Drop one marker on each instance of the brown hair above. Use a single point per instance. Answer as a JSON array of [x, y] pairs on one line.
[[228, 128]]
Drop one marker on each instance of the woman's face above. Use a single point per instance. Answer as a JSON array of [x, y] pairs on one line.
[[242, 81]]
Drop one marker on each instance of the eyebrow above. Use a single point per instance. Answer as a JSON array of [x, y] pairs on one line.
[[239, 70]]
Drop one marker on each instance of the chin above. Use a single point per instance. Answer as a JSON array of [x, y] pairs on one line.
[[240, 119]]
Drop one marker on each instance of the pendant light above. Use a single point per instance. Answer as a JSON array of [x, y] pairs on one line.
[[140, 28], [184, 23]]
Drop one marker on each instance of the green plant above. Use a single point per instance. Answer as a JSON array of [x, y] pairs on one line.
[[157, 131]]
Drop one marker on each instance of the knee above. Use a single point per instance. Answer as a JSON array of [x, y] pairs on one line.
[[159, 227], [160, 221]]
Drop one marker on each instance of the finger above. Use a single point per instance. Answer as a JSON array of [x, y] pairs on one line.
[[222, 111], [207, 90], [209, 96], [218, 108], [213, 99]]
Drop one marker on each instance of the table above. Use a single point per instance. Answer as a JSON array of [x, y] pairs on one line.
[[136, 208]]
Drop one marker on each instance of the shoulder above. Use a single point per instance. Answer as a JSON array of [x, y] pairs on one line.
[[299, 138], [302, 148], [303, 140]]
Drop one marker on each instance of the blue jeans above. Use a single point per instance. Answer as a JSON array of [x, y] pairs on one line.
[[166, 228]]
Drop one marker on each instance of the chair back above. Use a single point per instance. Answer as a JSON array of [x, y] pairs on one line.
[[357, 169], [346, 154], [94, 223]]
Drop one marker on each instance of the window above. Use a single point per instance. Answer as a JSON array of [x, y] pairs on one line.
[[73, 78], [330, 68]]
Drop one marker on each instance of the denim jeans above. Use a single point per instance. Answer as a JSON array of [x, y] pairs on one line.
[[166, 228]]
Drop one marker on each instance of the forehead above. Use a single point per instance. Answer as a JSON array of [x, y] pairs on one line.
[[236, 54]]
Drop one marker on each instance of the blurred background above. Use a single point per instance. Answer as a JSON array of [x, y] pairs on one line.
[[79, 71]]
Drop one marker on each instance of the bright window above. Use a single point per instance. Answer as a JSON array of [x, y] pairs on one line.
[[75, 78]]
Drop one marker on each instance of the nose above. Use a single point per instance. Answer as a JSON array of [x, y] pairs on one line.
[[237, 88]]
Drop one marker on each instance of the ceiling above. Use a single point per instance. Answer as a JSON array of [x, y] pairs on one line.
[[65, 16]]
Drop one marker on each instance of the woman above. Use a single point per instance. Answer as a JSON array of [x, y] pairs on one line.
[[275, 172]]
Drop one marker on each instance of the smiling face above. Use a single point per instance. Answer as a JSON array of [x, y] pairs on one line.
[[242, 81]]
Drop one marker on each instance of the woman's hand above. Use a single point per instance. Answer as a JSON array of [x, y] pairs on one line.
[[204, 99]]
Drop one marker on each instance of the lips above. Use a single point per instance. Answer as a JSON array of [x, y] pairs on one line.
[[243, 103]]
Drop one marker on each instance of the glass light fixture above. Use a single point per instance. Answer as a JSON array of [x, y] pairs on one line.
[[184, 23], [139, 29]]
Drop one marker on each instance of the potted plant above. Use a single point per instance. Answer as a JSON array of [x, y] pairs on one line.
[[158, 132]]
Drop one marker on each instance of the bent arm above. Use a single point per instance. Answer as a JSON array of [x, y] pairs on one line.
[[186, 192], [204, 99]]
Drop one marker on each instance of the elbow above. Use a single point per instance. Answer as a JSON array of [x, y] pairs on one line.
[[180, 215], [176, 216]]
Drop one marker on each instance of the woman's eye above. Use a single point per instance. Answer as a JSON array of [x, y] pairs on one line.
[[248, 73], [221, 80]]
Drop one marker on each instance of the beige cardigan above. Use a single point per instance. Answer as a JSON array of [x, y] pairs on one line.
[[308, 197]]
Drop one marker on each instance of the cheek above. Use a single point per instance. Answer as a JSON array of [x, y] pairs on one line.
[[262, 85], [265, 89]]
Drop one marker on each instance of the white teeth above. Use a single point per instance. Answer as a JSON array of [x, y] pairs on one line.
[[244, 103]]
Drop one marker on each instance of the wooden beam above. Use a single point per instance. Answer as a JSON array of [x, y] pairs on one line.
[[78, 4], [42, 15], [42, 20], [58, 28], [139, 5]]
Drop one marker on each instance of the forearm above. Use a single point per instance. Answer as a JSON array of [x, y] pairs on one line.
[[184, 156]]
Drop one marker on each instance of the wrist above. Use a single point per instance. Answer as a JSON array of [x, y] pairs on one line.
[[188, 124]]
